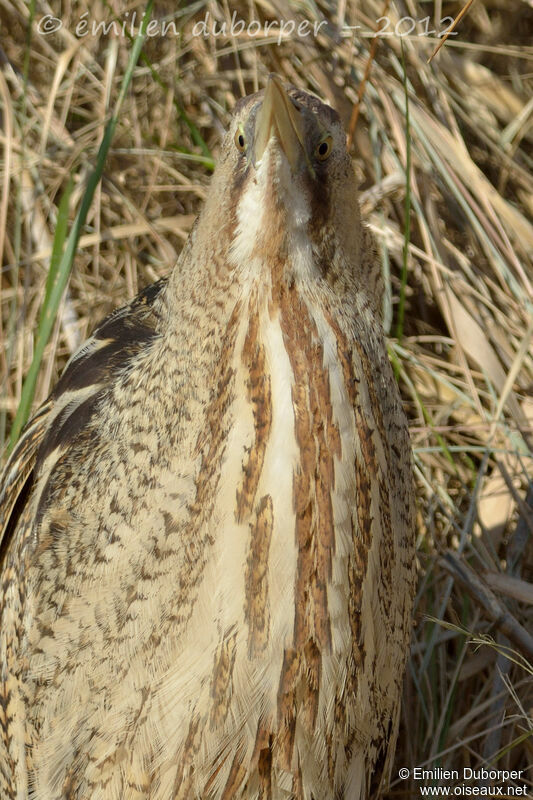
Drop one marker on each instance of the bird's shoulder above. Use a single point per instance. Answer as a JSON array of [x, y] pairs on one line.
[[88, 374], [113, 343]]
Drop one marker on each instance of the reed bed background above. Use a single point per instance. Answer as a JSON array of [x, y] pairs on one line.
[[443, 151]]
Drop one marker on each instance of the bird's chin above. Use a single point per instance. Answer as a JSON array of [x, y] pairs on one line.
[[288, 187], [273, 210]]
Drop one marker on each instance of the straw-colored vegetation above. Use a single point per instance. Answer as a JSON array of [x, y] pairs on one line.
[[463, 352]]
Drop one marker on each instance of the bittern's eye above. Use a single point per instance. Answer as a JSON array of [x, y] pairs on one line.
[[323, 149], [240, 140]]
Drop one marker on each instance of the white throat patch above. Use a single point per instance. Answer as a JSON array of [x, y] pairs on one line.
[[251, 214]]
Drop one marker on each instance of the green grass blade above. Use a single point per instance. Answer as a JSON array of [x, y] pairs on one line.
[[61, 265], [58, 245]]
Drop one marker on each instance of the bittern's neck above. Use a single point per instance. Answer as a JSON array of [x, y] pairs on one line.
[[272, 231]]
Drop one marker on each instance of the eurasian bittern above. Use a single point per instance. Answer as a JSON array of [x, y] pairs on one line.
[[208, 554]]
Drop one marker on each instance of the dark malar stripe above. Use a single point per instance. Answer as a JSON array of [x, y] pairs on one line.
[[259, 395]]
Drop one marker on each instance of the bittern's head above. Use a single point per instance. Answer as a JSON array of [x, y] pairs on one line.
[[286, 179]]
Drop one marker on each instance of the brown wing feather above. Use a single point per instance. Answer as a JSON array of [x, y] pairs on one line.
[[17, 476], [113, 342]]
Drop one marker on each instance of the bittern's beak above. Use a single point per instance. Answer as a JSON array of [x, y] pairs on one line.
[[278, 117]]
